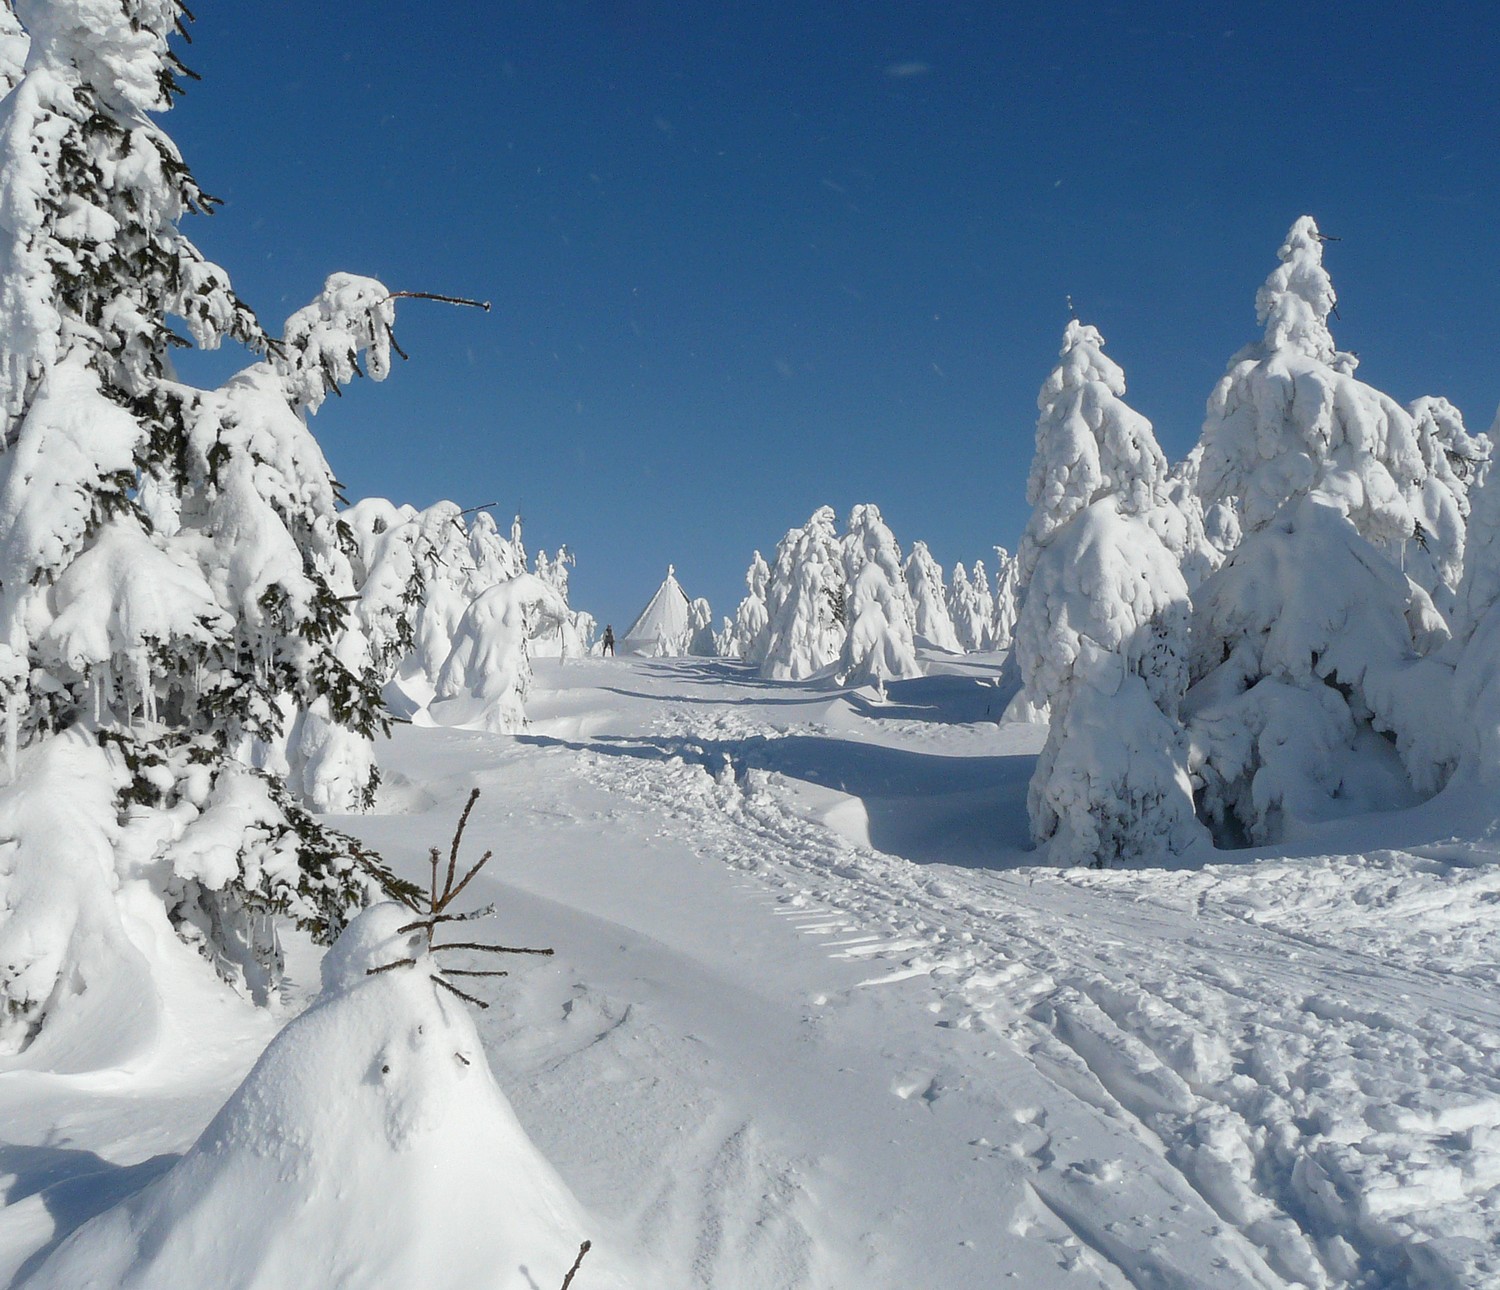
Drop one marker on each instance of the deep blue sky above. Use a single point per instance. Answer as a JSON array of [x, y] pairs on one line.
[[748, 258]]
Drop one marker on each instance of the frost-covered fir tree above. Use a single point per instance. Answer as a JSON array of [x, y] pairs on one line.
[[963, 609], [1438, 497], [173, 573], [1007, 599], [701, 625], [571, 635], [749, 635], [1309, 642], [878, 614], [1476, 627], [928, 595], [1102, 635], [805, 600], [1089, 444]]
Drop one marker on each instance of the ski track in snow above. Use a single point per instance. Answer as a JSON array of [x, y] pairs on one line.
[[1323, 1084]]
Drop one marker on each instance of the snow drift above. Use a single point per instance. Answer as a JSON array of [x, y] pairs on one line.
[[369, 1147]]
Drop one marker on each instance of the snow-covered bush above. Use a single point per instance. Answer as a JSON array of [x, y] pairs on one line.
[[1322, 473], [173, 573], [1102, 635], [924, 587]]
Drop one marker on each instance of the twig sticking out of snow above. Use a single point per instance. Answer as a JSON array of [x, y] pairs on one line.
[[432, 909], [577, 1263]]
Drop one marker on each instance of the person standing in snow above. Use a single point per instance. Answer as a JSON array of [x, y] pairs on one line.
[[609, 639]]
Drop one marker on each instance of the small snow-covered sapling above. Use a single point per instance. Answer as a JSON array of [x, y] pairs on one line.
[[434, 908]]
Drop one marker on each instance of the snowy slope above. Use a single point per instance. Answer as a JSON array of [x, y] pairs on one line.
[[813, 1021]]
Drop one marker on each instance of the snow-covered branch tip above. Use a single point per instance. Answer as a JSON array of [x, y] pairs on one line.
[[432, 908]]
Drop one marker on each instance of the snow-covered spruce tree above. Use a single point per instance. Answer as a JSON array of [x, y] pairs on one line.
[[1007, 598], [806, 601], [172, 569], [1102, 635], [421, 572], [1309, 643], [1438, 497], [963, 607], [928, 595], [878, 615], [749, 634], [1089, 444], [701, 623], [484, 681], [571, 636], [1476, 627]]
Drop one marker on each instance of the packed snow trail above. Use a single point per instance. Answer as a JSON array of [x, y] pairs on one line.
[[1256, 1074], [771, 1054]]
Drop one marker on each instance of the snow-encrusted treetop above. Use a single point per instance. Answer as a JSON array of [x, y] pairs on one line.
[[1288, 417], [1089, 442], [1293, 304]]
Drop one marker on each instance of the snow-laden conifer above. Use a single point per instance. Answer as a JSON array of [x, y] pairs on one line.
[[1309, 641], [14, 46], [806, 601], [749, 634], [1288, 417], [1102, 635], [174, 577], [961, 609], [1089, 444], [567, 637], [701, 627], [1438, 497], [878, 613], [924, 586], [484, 681], [1007, 598]]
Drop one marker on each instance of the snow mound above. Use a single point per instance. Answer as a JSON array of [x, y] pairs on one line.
[[369, 1147]]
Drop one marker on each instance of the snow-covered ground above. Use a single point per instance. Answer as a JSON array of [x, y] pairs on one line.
[[813, 1020]]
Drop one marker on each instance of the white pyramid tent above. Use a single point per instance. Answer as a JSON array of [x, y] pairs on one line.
[[664, 628]]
